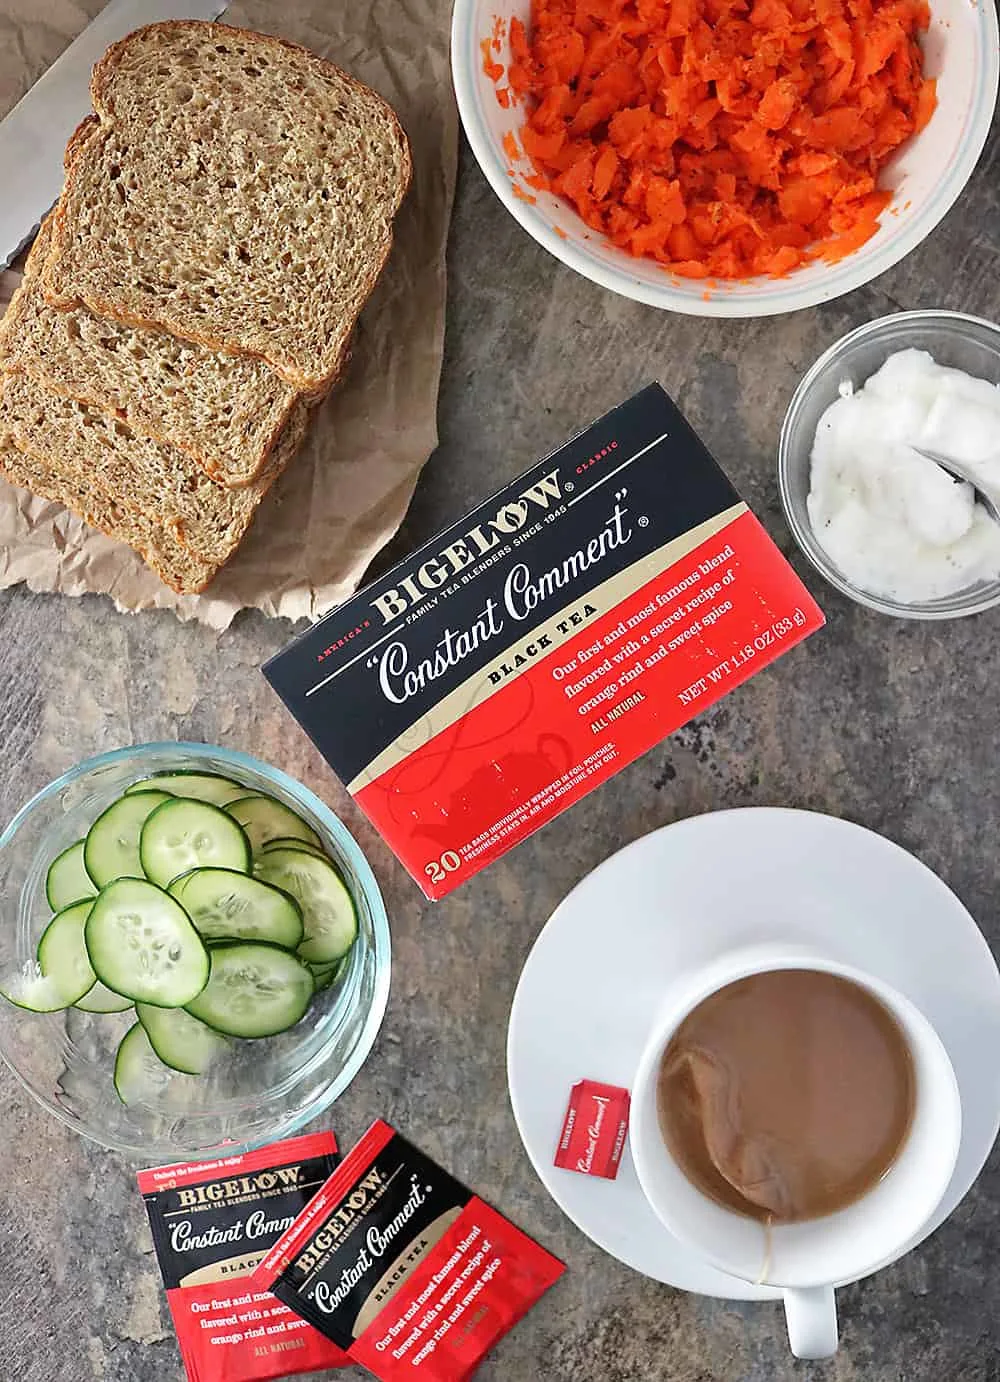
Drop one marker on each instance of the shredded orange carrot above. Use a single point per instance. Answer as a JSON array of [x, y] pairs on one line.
[[723, 138], [492, 69]]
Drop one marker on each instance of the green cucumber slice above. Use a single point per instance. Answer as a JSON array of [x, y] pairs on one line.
[[34, 991], [182, 835], [67, 880], [61, 974], [263, 818], [142, 945], [285, 842], [210, 787], [328, 912], [325, 976], [140, 1075], [111, 849], [62, 952], [225, 905], [180, 1040], [254, 990], [101, 999]]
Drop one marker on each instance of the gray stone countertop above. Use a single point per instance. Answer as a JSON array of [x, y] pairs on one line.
[[890, 724]]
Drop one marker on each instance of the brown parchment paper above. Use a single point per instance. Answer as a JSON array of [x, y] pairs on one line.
[[346, 493]]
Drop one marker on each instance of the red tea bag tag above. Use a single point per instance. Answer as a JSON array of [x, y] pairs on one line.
[[594, 1130]]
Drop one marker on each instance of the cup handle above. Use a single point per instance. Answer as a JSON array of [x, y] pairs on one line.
[[811, 1317]]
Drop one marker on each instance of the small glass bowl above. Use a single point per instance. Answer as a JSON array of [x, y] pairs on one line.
[[265, 1089], [966, 343]]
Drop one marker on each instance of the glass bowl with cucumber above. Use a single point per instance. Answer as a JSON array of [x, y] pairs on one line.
[[194, 953]]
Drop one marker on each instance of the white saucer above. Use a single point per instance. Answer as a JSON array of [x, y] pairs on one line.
[[674, 899]]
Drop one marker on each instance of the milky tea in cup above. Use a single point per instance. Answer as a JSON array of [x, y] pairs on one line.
[[786, 1095]]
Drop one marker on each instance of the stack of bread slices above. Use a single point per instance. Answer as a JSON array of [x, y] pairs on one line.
[[224, 217]]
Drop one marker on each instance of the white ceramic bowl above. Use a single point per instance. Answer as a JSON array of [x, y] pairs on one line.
[[962, 52]]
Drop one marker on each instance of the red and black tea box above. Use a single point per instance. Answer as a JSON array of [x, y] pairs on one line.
[[548, 638]]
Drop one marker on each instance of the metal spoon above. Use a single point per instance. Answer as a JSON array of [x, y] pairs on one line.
[[958, 470]]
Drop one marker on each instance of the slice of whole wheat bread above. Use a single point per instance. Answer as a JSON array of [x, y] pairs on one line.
[[77, 441], [239, 192], [159, 547], [226, 411]]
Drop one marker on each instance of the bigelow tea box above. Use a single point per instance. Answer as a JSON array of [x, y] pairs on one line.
[[517, 660]]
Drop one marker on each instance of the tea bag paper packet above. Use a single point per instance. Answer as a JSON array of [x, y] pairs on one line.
[[403, 1267], [212, 1222]]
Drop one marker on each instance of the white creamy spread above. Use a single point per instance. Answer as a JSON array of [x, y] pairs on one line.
[[892, 521]]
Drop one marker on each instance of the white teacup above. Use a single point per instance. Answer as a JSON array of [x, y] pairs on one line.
[[806, 1260]]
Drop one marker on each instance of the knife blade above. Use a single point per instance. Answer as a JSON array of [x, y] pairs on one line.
[[34, 134]]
